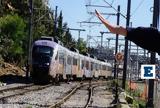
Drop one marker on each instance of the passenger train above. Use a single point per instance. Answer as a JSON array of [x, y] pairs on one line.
[[53, 62]]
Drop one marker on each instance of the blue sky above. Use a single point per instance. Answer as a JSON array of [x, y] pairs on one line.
[[75, 11]]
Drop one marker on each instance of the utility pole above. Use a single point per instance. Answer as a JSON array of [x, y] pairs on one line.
[[115, 61], [102, 32], [109, 39], [116, 43], [1, 7], [156, 11], [126, 46], [101, 39], [93, 13], [55, 22], [79, 32], [137, 63], [30, 39]]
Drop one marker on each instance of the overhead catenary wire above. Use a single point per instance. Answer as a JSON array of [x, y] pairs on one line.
[[111, 4], [124, 16], [139, 5]]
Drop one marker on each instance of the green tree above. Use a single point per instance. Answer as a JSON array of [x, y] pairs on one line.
[[81, 45], [60, 29], [12, 37]]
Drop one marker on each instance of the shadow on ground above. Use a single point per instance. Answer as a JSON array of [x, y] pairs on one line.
[[9, 79]]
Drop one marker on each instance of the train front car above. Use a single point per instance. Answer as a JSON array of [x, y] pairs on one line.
[[42, 54]]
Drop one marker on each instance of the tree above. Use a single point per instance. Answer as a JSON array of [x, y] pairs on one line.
[[81, 45], [12, 37], [60, 27], [14, 21]]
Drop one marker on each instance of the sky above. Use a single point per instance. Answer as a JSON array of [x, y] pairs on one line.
[[75, 11]]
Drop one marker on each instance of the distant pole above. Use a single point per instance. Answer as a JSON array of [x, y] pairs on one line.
[[116, 50], [156, 11], [30, 39], [101, 39], [126, 46], [116, 43], [137, 63], [0, 7], [79, 32], [55, 22]]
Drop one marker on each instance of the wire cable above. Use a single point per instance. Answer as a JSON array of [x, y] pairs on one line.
[[115, 9], [139, 5]]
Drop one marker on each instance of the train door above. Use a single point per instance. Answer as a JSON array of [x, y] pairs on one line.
[[75, 66], [61, 61], [80, 74], [54, 64], [83, 68], [96, 74], [69, 66], [65, 65], [87, 68], [92, 68], [104, 71]]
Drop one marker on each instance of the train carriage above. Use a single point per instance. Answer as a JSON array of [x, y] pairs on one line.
[[42, 56], [53, 62]]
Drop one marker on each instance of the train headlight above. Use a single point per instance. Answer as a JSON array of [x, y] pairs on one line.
[[47, 64]]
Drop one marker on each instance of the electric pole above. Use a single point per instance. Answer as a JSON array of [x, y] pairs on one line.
[[1, 7], [30, 39], [79, 32], [115, 62], [153, 54], [116, 42], [55, 22], [101, 39], [126, 46]]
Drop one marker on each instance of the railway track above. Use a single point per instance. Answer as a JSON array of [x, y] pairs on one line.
[[17, 87], [20, 90], [87, 86], [58, 96]]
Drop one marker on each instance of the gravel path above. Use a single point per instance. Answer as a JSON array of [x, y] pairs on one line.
[[38, 99], [102, 97], [78, 100]]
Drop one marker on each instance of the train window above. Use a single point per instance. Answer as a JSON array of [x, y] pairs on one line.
[[103, 67], [87, 64], [61, 57], [99, 66], [61, 60], [92, 66], [44, 50], [78, 64], [83, 64], [109, 68], [69, 60], [74, 61], [96, 66]]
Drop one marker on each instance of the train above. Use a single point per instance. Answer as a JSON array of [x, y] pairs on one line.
[[52, 62]]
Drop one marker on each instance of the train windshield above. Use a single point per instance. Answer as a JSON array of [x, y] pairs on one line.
[[43, 50], [42, 54]]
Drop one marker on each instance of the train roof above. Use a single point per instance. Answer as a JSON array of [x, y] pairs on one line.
[[45, 43]]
